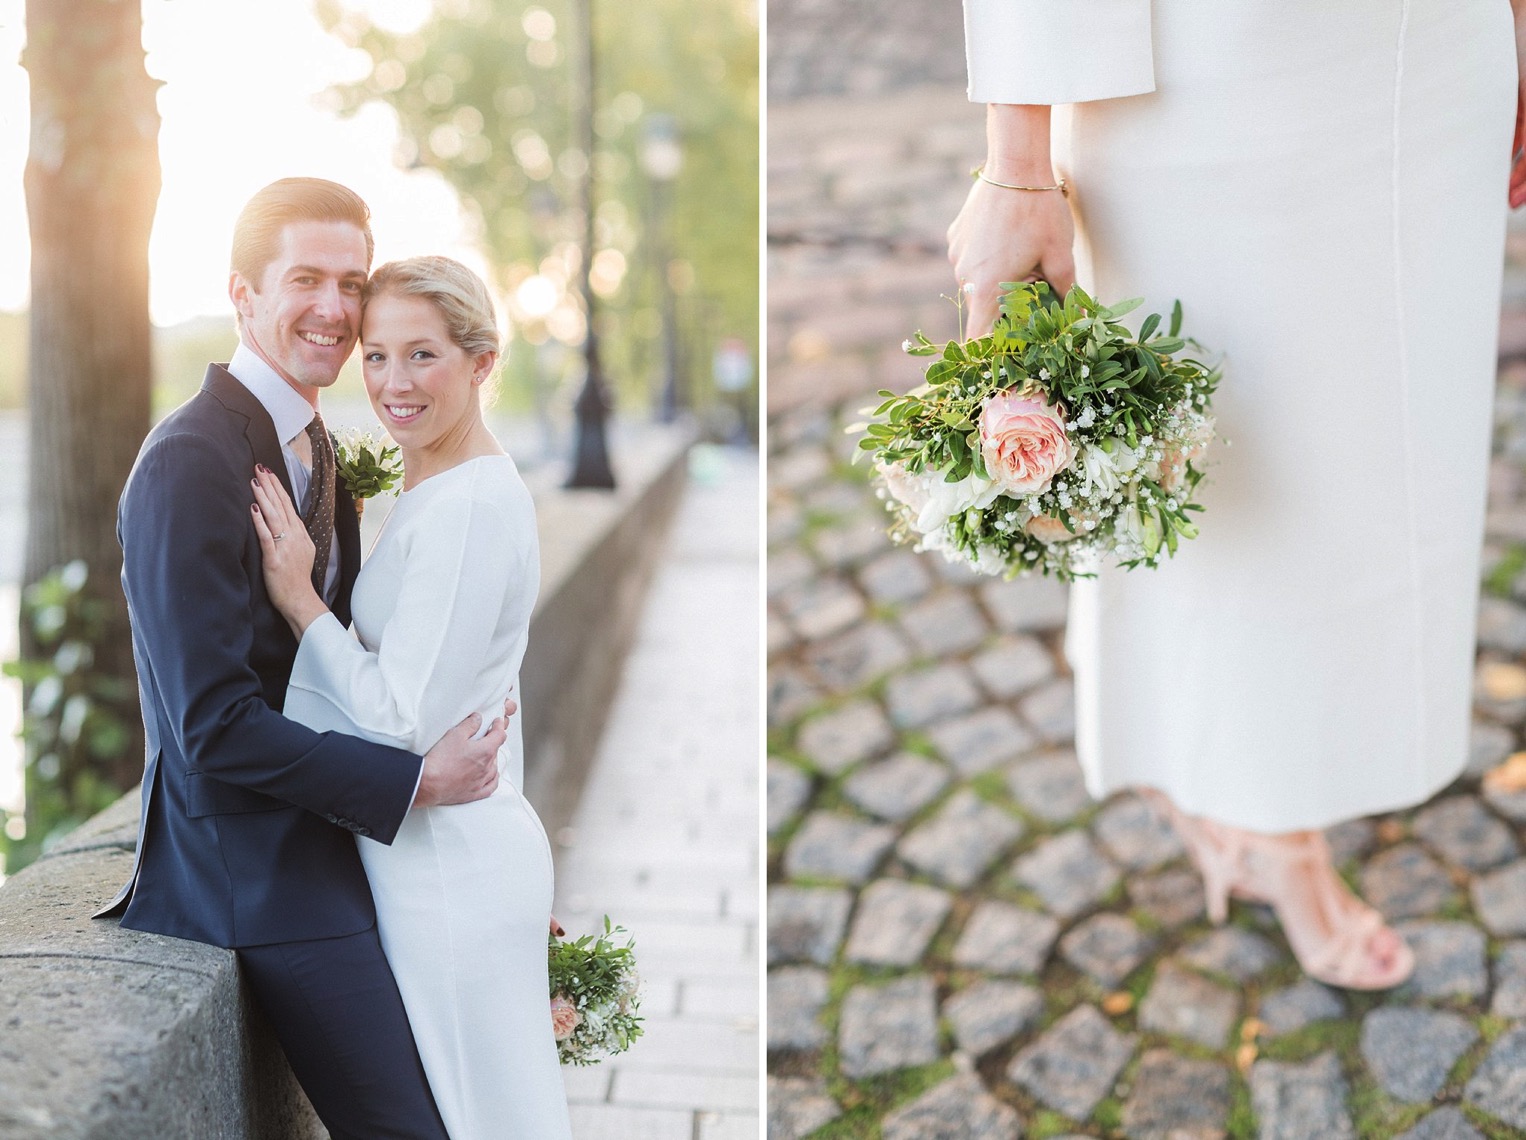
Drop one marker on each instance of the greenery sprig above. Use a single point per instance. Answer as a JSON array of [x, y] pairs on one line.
[[368, 466]]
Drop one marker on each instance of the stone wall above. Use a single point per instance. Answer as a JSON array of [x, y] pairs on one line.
[[112, 1034], [597, 554]]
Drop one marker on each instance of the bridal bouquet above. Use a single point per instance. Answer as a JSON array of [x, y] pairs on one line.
[[1057, 440], [368, 466], [595, 993]]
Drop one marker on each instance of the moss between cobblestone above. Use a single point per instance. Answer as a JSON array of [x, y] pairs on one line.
[[1492, 1028], [991, 788], [1342, 1036], [927, 811], [910, 740], [814, 519], [831, 798], [938, 959], [1502, 574], [1463, 1069], [1109, 1113], [1378, 1116], [1241, 1122], [1491, 1128], [1455, 909], [781, 743], [1047, 1124], [867, 1102]]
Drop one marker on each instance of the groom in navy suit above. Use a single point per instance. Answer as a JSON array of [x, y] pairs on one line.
[[247, 836]]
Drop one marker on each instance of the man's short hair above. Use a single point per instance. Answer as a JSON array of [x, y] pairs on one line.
[[257, 233]]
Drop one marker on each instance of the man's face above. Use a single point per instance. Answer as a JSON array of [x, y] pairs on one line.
[[303, 315]]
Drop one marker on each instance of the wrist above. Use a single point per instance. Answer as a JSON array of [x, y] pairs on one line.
[[1017, 144], [305, 612]]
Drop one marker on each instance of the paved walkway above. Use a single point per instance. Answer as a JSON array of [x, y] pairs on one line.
[[665, 836], [960, 943]]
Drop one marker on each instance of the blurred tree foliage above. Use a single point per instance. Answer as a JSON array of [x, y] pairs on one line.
[[81, 719], [483, 92]]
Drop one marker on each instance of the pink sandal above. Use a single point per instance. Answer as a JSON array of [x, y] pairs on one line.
[[1336, 937]]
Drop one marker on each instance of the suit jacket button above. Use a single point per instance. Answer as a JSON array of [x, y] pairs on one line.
[[362, 831], [332, 818]]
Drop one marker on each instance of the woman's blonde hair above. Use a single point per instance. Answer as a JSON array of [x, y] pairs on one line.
[[459, 294]]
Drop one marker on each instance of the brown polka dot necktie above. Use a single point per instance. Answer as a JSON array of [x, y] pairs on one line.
[[319, 515]]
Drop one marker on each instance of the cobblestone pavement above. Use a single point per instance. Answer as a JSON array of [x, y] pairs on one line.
[[665, 835], [960, 942]]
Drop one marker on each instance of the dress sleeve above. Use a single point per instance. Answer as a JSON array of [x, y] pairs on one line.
[[1057, 51], [419, 682]]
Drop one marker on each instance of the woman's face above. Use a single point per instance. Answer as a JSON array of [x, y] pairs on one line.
[[423, 386]]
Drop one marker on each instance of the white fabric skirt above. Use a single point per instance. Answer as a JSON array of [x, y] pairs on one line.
[[1324, 188], [463, 899]]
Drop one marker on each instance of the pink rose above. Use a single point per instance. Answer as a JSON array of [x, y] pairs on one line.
[[1023, 441], [564, 1017], [1047, 528], [1173, 469], [1174, 460]]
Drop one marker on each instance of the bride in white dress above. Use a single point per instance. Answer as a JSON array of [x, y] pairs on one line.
[[441, 615], [1324, 187]]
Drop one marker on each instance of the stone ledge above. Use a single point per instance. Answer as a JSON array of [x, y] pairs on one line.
[[113, 1034]]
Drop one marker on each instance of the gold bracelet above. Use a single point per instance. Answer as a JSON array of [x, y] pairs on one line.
[[980, 172]]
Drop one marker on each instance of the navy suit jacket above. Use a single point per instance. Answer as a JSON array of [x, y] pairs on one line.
[[246, 831]]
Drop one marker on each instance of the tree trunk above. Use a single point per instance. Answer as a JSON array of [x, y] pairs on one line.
[[92, 183]]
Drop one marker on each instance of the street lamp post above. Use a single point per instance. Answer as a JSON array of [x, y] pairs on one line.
[[590, 464], [661, 159]]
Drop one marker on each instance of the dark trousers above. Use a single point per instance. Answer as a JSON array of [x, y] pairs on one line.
[[336, 1010]]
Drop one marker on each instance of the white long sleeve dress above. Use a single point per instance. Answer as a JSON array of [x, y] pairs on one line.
[[1323, 185], [463, 895]]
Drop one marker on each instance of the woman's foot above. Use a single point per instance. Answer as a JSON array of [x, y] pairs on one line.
[[1336, 937]]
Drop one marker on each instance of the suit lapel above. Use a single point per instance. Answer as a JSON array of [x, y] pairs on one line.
[[258, 428], [261, 433]]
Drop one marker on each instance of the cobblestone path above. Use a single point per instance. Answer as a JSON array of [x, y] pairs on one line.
[[960, 942]]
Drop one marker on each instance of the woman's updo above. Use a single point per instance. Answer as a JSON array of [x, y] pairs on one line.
[[459, 294]]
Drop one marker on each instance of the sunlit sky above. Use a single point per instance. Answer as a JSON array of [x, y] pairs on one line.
[[239, 110]]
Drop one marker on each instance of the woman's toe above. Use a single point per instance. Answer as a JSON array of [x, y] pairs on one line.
[[1392, 955]]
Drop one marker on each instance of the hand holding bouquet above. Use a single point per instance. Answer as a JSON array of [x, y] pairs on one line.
[[1057, 440], [595, 993]]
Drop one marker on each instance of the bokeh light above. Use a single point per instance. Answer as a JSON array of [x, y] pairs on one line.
[[242, 105]]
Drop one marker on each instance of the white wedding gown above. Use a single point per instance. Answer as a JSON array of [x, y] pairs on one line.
[[1323, 185], [463, 894]]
